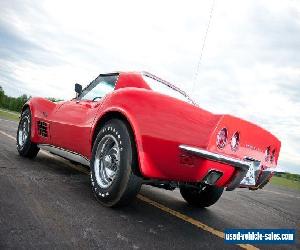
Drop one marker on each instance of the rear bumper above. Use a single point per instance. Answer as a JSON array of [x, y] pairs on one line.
[[241, 167]]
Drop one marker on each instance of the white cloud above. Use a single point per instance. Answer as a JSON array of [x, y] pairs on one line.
[[250, 66]]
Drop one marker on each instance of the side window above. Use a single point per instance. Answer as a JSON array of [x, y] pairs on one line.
[[100, 87]]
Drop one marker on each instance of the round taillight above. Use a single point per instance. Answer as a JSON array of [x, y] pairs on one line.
[[222, 138], [267, 154], [272, 157], [235, 141]]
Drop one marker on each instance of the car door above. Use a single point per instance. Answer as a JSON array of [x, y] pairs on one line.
[[71, 123]]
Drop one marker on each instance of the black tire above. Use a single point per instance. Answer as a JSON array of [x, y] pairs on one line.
[[124, 186], [26, 148], [201, 198]]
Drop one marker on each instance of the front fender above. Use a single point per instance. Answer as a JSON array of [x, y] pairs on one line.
[[40, 109]]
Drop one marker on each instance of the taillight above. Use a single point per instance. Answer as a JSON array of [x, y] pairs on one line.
[[222, 138], [235, 141], [267, 154]]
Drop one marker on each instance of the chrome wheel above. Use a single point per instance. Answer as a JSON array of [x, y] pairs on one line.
[[107, 160], [113, 158], [23, 131]]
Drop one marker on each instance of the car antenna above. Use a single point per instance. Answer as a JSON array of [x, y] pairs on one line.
[[203, 46]]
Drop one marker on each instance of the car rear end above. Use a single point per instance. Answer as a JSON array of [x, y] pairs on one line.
[[239, 154], [180, 142]]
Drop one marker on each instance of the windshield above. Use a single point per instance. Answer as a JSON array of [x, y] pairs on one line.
[[163, 87], [100, 87]]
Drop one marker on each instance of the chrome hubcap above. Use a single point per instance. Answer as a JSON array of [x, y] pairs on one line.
[[107, 160], [23, 131]]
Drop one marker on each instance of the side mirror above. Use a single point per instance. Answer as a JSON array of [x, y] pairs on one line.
[[78, 89]]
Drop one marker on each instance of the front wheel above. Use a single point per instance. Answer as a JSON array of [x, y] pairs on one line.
[[201, 196], [25, 146], [113, 156]]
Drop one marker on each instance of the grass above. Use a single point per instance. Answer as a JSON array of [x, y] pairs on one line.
[[9, 115], [281, 181]]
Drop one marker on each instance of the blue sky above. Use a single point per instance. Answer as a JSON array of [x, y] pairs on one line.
[[250, 66]]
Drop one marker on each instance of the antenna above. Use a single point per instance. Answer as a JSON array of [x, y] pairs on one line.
[[203, 45]]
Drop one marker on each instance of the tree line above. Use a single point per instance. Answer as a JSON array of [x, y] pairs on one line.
[[289, 176], [16, 103]]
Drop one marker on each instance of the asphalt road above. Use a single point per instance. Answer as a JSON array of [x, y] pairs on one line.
[[47, 203]]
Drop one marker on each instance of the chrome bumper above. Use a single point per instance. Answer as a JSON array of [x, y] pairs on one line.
[[240, 165]]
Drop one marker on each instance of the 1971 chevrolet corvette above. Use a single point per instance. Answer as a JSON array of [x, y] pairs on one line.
[[135, 128]]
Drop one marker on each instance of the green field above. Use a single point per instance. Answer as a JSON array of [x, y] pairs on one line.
[[281, 181], [9, 115]]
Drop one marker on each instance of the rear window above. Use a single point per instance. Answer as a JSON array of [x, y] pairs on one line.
[[165, 88]]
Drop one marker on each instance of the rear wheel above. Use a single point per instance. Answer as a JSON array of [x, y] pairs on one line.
[[113, 156], [201, 196], [25, 146]]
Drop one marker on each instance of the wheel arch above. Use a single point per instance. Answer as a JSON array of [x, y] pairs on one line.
[[25, 106], [38, 107], [117, 114]]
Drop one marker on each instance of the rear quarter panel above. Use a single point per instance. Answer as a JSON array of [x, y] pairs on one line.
[[161, 124]]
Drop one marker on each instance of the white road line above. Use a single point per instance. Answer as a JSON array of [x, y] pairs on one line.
[[52, 156], [7, 135], [4, 120]]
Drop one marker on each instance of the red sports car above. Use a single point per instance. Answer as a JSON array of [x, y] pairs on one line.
[[135, 128]]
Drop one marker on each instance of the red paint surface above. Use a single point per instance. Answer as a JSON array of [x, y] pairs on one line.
[[160, 124]]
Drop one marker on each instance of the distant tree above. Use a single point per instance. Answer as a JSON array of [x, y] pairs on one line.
[[12, 103], [1, 96], [16, 104]]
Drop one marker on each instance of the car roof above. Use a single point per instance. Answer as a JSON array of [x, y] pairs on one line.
[[145, 73]]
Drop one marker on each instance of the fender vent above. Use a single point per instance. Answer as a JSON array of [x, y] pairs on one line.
[[43, 128]]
